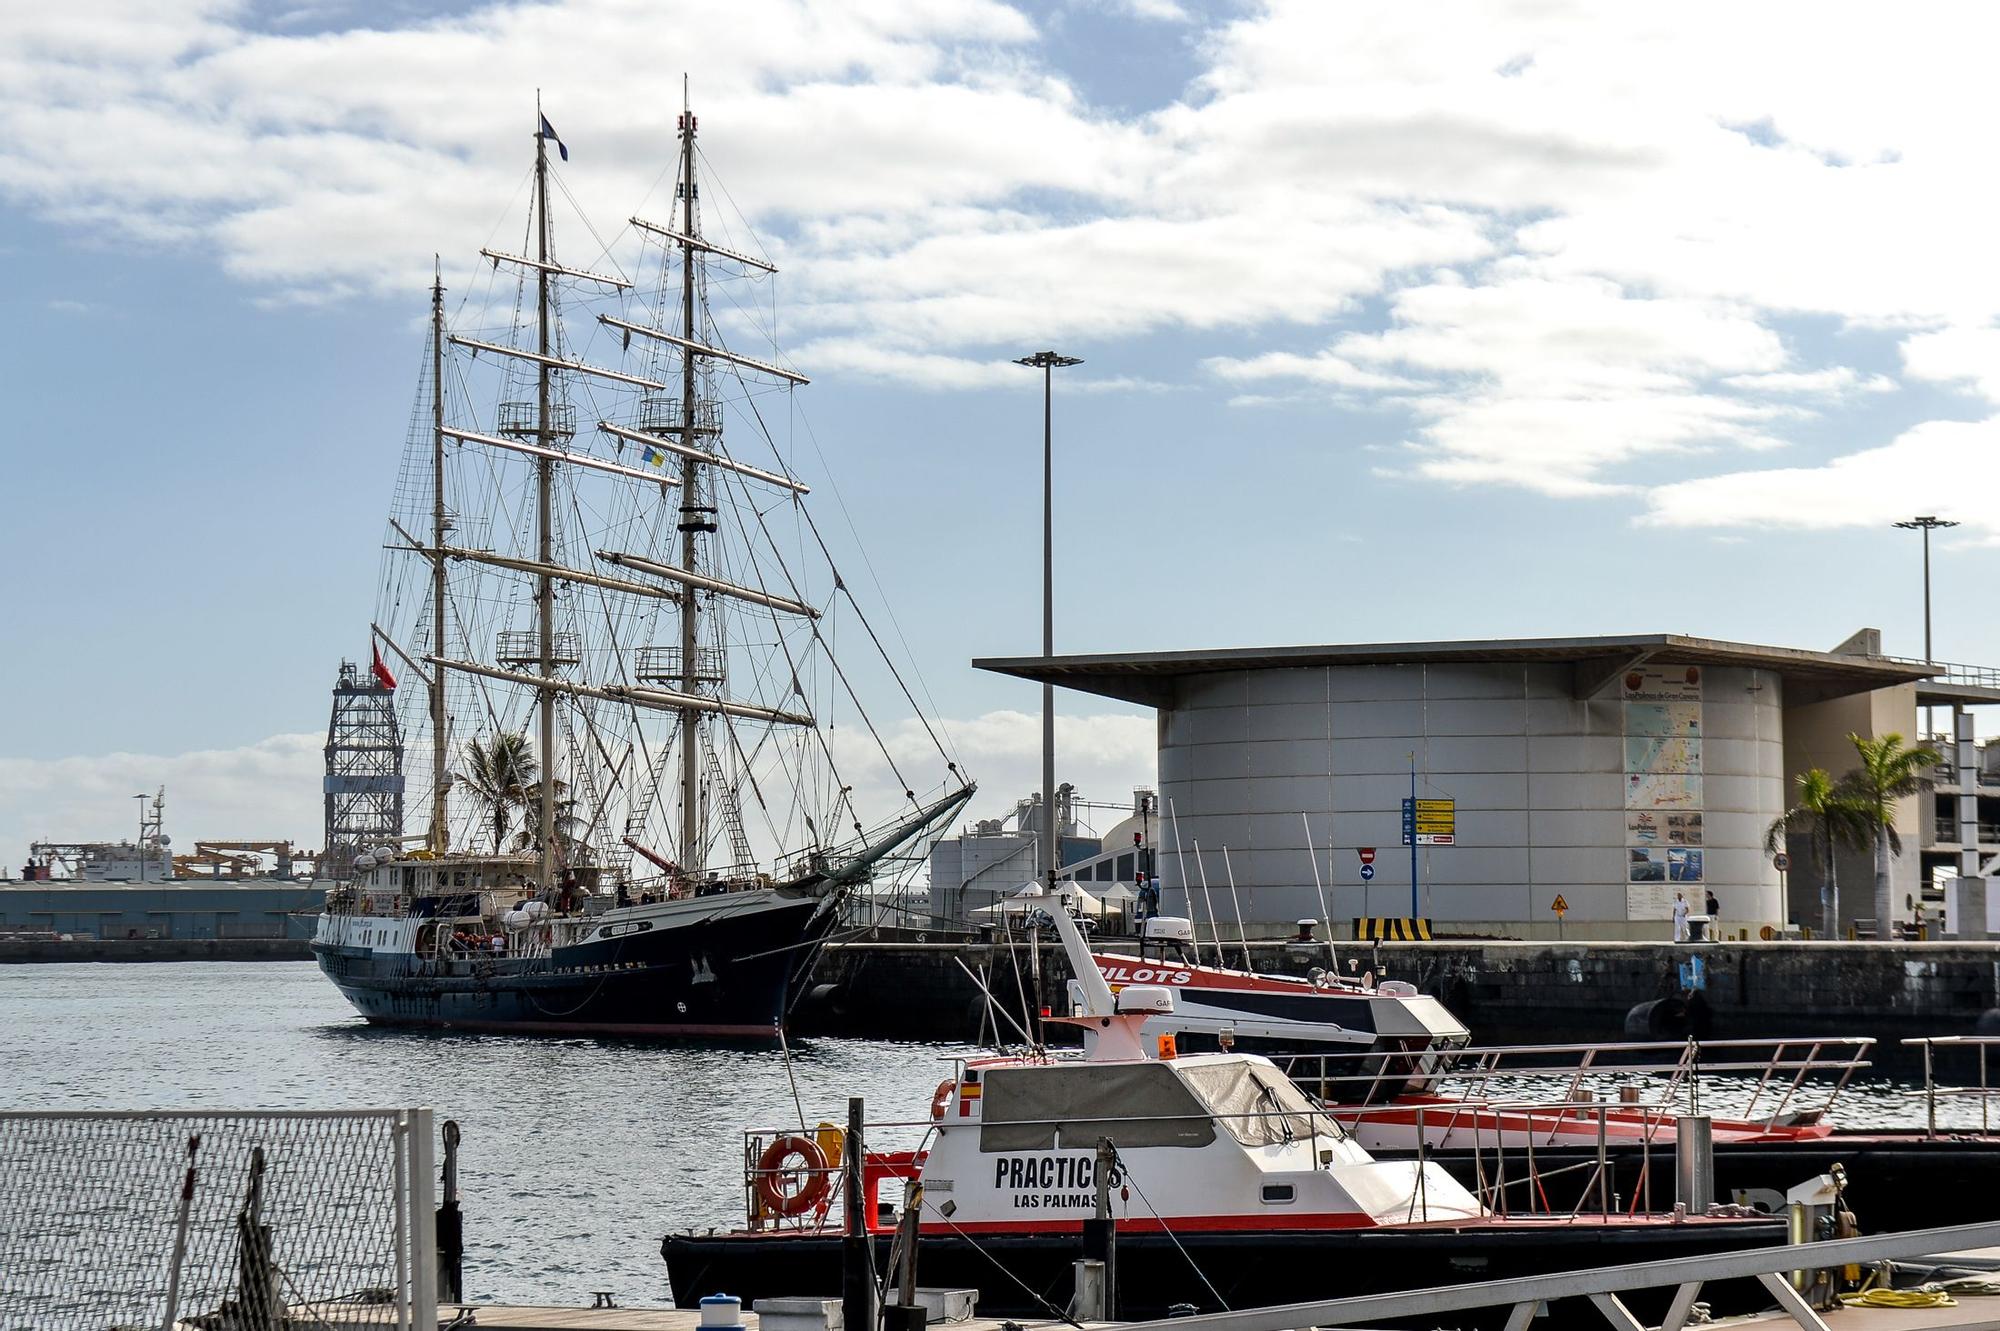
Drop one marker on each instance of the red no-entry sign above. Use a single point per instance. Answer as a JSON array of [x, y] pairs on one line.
[[1367, 854]]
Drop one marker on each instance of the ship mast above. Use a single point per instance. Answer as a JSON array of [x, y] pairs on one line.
[[545, 603], [692, 512], [439, 838]]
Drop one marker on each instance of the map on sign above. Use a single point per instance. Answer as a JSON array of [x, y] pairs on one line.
[[1559, 906]]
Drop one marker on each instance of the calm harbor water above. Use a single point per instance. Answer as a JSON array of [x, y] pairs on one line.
[[577, 1156], [578, 1153]]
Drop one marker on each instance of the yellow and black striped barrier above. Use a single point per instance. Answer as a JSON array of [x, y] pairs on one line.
[[1392, 928]]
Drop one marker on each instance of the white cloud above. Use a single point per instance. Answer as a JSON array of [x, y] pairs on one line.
[[1104, 755], [1834, 381], [1942, 467], [1965, 356], [268, 791], [1587, 222], [1549, 384], [271, 790], [1321, 368], [1158, 11]]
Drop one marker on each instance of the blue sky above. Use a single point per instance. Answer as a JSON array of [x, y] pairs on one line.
[[1552, 321]]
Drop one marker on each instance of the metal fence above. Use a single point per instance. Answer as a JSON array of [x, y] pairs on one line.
[[215, 1218]]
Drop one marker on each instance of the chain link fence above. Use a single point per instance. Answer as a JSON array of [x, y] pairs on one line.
[[216, 1220]]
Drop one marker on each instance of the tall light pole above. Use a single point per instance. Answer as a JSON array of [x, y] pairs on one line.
[[1926, 525], [1048, 362]]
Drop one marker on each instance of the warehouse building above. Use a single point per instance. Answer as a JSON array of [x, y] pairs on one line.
[[1601, 774]]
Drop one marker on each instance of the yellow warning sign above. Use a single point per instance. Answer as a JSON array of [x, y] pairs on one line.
[[1559, 906]]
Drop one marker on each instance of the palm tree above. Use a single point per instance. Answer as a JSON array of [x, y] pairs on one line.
[[1889, 771], [1828, 814], [568, 822], [501, 772]]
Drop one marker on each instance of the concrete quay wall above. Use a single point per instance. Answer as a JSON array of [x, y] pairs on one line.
[[1506, 992], [154, 949]]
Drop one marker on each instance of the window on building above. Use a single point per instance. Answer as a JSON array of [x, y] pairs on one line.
[[1125, 867]]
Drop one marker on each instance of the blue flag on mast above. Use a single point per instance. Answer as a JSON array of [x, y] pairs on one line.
[[549, 132]]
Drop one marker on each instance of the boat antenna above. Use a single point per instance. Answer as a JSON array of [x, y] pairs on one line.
[[1208, 903], [785, 1048], [1180, 862], [994, 1007], [1242, 935], [1319, 887]]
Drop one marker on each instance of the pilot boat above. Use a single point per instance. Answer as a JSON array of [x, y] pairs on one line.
[[1224, 1185], [1321, 1013], [1557, 1127]]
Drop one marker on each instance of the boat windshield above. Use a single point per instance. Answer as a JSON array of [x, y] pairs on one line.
[[1256, 1103]]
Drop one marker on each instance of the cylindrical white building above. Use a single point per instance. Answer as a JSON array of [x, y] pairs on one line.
[[1611, 773]]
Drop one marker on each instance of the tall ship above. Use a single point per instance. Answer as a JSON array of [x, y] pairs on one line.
[[645, 782]]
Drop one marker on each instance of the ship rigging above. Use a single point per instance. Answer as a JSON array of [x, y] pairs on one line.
[[660, 613]]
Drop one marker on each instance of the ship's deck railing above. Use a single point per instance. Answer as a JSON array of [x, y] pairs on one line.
[[1774, 1268], [1794, 1080], [1498, 1169], [1983, 1094]]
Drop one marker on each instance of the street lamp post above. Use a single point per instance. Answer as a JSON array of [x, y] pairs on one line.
[[1927, 525], [1048, 362]]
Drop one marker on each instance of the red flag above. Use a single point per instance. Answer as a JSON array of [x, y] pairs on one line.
[[381, 671]]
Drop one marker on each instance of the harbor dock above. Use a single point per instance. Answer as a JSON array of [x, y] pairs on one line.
[[1507, 992]]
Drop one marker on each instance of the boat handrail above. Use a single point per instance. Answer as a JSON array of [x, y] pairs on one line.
[[1491, 1156], [1784, 1071], [1932, 1092], [1861, 1042]]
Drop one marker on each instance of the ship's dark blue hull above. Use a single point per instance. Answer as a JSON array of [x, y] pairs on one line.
[[726, 972]]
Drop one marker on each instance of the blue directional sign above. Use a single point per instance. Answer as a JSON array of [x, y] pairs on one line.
[[1367, 872]]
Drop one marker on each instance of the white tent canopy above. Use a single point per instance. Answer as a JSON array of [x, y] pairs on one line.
[[1034, 895]]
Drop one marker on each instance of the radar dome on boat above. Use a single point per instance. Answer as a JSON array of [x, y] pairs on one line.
[[1145, 998], [1396, 989], [365, 860], [1170, 927]]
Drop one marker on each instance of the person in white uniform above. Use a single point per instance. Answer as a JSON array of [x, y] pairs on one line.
[[1680, 917]]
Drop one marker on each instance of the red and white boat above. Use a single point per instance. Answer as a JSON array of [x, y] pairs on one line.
[[1561, 1127], [1222, 1182]]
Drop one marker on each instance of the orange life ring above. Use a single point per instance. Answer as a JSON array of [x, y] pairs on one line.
[[942, 1097], [774, 1172]]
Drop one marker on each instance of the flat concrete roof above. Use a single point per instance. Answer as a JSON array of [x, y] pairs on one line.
[[1147, 677]]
